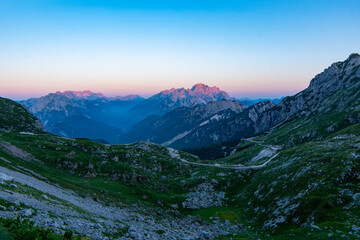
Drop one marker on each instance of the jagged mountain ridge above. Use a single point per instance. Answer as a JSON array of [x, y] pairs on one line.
[[328, 90], [86, 94], [89, 95], [168, 100], [57, 110], [339, 76]]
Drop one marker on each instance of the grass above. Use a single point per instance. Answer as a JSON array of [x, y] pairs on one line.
[[252, 196], [23, 229], [313, 181], [220, 213]]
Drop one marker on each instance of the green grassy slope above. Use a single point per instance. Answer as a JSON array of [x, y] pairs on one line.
[[14, 117]]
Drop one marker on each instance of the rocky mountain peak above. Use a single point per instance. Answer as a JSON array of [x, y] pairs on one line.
[[354, 55], [336, 74], [172, 91], [333, 80], [205, 89], [87, 94], [202, 87], [51, 101], [130, 97], [170, 99]]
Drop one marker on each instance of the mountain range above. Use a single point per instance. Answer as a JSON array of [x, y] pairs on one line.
[[86, 114], [83, 114], [265, 115], [168, 100], [293, 173], [181, 118]]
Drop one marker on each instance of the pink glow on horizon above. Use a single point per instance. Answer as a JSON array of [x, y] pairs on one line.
[[249, 91]]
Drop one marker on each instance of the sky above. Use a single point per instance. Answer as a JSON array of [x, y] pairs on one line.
[[249, 48]]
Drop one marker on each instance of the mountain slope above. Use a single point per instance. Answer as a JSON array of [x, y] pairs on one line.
[[14, 117], [181, 121], [79, 126], [168, 100], [129, 192], [339, 79], [248, 102], [225, 128], [307, 185], [336, 88], [51, 108]]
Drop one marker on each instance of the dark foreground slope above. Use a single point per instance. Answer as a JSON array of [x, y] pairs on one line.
[[14, 117]]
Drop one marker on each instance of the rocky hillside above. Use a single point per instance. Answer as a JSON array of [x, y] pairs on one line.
[[14, 117], [248, 102], [132, 191], [224, 128], [168, 100], [177, 123], [334, 90]]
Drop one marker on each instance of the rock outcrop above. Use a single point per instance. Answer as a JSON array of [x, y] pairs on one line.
[[336, 88], [340, 75]]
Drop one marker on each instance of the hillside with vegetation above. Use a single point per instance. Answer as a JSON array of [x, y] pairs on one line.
[[14, 117], [297, 179]]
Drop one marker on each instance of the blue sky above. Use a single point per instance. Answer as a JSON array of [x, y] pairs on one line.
[[248, 48]]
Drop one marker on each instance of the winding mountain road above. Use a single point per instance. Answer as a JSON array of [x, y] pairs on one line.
[[175, 154]]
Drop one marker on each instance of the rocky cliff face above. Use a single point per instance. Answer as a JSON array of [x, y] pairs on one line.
[[339, 76], [14, 117], [336, 89], [224, 126], [202, 112]]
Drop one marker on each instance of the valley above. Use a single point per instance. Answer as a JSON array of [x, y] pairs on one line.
[[292, 170]]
